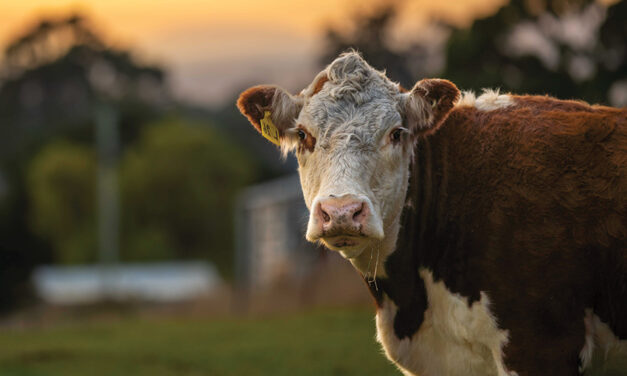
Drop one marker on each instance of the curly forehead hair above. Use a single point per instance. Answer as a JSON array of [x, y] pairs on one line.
[[353, 79]]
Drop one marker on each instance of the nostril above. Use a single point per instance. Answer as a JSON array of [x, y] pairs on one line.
[[325, 216], [358, 212]]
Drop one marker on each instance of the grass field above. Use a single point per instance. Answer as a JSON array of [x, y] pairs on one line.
[[328, 342]]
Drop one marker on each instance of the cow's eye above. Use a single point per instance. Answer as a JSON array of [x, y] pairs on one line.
[[396, 135], [301, 134]]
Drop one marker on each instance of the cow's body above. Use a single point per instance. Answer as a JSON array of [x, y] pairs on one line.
[[527, 204], [487, 228]]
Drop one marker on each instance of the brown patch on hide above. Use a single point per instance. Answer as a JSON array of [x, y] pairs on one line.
[[376, 293], [254, 102], [595, 122], [319, 84], [542, 103]]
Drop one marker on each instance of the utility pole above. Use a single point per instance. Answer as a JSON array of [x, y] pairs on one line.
[[107, 139]]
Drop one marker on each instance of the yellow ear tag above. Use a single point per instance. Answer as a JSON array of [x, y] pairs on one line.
[[268, 129]]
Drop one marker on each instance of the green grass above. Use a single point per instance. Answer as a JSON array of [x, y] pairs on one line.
[[316, 343]]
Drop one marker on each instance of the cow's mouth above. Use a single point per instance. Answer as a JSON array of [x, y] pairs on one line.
[[346, 243]]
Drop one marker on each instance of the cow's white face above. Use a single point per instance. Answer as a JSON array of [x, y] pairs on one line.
[[360, 157], [352, 131]]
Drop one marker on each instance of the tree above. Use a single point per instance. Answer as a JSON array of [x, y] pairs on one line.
[[178, 191], [53, 76], [569, 49], [565, 48], [61, 187], [370, 35]]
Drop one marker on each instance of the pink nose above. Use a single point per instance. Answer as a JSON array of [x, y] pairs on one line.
[[344, 215]]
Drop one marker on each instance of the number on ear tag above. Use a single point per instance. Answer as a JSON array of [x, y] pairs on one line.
[[268, 129]]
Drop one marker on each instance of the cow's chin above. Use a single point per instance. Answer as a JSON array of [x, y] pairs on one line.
[[348, 246]]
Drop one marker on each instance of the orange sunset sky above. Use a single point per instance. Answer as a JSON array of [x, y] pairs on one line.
[[213, 48]]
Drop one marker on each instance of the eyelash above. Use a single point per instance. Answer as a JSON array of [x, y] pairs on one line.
[[305, 139], [302, 135], [396, 135]]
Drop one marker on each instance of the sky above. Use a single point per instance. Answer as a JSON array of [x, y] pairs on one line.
[[213, 48]]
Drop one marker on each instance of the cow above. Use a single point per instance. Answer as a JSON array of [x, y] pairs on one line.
[[490, 229]]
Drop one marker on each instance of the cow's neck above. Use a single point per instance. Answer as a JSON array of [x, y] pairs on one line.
[[419, 227]]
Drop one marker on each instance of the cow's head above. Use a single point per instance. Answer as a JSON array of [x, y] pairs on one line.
[[352, 131]]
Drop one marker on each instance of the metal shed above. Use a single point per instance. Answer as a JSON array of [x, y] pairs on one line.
[[271, 220]]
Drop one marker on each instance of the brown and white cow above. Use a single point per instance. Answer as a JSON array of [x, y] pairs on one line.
[[491, 230]]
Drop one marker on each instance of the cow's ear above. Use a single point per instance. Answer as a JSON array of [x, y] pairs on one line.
[[429, 104], [260, 102]]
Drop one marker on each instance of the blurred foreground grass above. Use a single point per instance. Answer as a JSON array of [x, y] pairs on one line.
[[329, 342]]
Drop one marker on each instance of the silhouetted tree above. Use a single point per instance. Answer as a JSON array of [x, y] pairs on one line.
[[55, 72], [569, 49], [51, 77], [370, 35], [566, 48]]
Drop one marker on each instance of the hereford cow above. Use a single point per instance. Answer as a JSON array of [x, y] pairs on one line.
[[491, 230]]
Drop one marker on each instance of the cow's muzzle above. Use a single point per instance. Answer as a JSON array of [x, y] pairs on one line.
[[343, 222]]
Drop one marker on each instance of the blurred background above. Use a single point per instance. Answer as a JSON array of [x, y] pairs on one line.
[[146, 228]]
